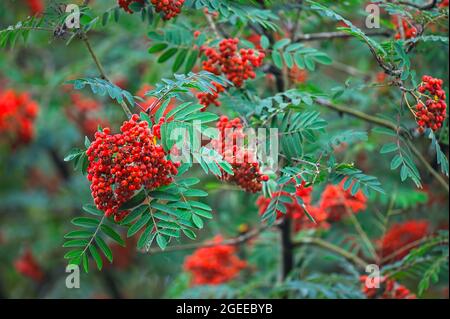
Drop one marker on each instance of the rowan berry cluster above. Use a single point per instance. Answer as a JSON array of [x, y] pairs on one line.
[[170, 8], [392, 244], [84, 113], [405, 29], [207, 99], [121, 164], [433, 112], [236, 65], [229, 144], [296, 210], [214, 265], [337, 202], [17, 115], [388, 289], [125, 4], [28, 266]]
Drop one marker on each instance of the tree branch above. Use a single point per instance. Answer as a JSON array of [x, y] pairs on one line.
[[232, 241], [333, 248], [384, 123], [102, 71], [337, 35]]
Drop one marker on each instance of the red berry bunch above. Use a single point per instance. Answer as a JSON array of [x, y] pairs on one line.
[[28, 266], [295, 211], [214, 265], [237, 65], [405, 29], [125, 4], [388, 289], [433, 112], [207, 99], [401, 235], [246, 168], [337, 202], [17, 114], [121, 164], [84, 113], [170, 8]]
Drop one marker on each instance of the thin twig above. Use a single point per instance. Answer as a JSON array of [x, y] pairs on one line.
[[381, 122], [338, 35], [102, 71], [333, 248], [232, 241]]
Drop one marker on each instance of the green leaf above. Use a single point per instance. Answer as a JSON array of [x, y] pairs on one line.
[[73, 254], [181, 57], [91, 209], [161, 241], [135, 213], [74, 153], [104, 248], [96, 256], [78, 234], [134, 201], [85, 222], [111, 233], [76, 243], [198, 222], [157, 47], [139, 224], [388, 148]]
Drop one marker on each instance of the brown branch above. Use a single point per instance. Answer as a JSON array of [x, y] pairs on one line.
[[338, 35], [333, 248], [358, 114], [232, 241], [102, 71], [287, 246], [427, 165], [427, 6], [409, 247]]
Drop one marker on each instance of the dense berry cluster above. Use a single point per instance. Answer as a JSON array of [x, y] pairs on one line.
[[125, 4], [387, 289], [214, 265], [170, 8], [432, 113], [35, 6], [236, 65], [337, 202], [405, 29], [399, 239], [27, 266], [207, 99], [296, 211], [229, 144], [17, 114], [123, 163], [84, 113]]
